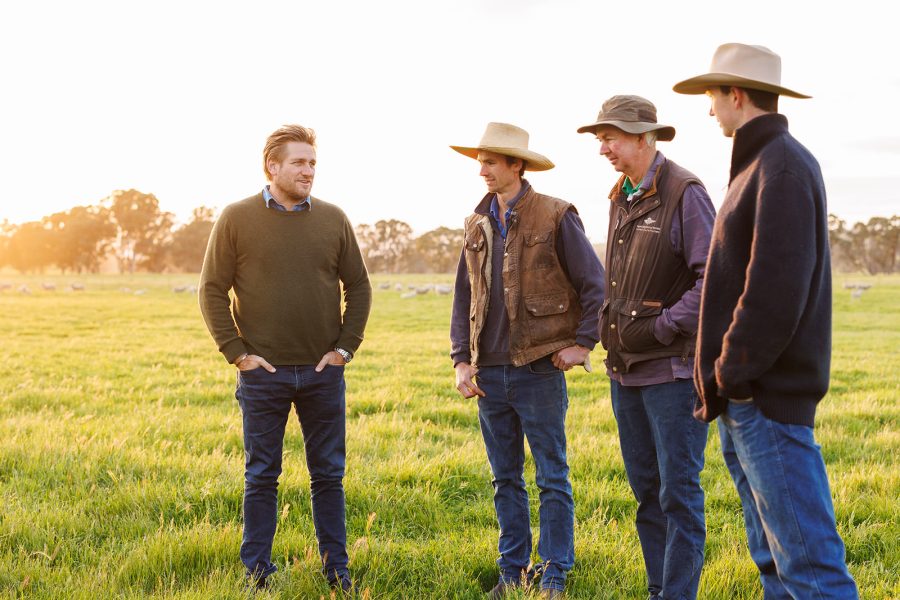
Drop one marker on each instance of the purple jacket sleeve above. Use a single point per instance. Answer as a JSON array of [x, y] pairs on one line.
[[586, 275], [691, 231], [459, 319]]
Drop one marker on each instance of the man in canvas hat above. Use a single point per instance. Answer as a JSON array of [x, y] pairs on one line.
[[764, 344], [528, 290], [660, 222]]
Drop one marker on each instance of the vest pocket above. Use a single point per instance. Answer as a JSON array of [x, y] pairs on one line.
[[634, 323], [547, 313], [475, 243], [538, 252]]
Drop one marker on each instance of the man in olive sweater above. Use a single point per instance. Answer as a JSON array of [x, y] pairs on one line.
[[286, 255], [764, 341]]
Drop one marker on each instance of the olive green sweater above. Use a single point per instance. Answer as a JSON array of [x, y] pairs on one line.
[[286, 271]]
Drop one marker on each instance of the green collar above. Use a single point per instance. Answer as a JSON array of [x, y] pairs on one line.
[[629, 188]]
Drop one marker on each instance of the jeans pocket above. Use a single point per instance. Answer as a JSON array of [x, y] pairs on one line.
[[250, 372], [543, 366]]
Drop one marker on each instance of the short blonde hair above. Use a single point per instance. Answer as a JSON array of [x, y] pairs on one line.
[[276, 142]]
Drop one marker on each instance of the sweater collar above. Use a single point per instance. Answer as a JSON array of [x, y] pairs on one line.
[[752, 136]]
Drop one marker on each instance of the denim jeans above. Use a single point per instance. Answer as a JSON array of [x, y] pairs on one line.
[[265, 400], [781, 479], [529, 402], [662, 448]]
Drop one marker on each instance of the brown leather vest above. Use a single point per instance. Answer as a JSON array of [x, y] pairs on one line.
[[643, 273], [541, 304]]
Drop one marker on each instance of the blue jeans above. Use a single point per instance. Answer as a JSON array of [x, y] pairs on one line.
[[780, 477], [266, 399], [662, 448], [529, 402]]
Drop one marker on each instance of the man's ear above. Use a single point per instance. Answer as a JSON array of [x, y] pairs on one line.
[[739, 97]]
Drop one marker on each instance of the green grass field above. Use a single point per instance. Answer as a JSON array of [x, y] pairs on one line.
[[121, 461]]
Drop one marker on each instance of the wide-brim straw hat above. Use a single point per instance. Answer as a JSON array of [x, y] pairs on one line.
[[740, 65], [631, 114], [508, 140]]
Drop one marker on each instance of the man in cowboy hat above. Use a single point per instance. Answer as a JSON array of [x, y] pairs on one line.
[[660, 222], [528, 289], [764, 344]]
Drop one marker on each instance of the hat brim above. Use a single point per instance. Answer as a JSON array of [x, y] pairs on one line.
[[533, 160], [701, 83], [665, 133]]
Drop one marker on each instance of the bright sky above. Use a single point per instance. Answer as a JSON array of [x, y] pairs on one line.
[[177, 98]]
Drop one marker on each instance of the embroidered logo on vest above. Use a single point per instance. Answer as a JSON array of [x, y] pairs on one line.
[[648, 226]]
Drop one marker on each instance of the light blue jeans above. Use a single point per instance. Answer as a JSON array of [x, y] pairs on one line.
[[780, 477]]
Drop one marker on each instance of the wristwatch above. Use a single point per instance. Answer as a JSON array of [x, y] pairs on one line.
[[348, 356]]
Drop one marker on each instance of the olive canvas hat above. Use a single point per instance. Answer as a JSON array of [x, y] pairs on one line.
[[631, 114]]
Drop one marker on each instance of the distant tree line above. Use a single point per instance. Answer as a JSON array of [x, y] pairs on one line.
[[130, 231], [128, 228], [872, 247]]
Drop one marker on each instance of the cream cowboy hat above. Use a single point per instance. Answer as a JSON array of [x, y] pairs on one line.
[[508, 140], [740, 65], [631, 114]]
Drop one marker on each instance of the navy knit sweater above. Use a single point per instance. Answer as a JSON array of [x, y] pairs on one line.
[[765, 313]]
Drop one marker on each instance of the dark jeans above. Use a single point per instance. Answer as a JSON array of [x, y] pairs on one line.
[[780, 476], [266, 399], [662, 448], [530, 402]]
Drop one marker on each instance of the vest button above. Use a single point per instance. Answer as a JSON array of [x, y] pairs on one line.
[[506, 290], [621, 241], [614, 284], [633, 313], [612, 325], [615, 369], [505, 254], [560, 307]]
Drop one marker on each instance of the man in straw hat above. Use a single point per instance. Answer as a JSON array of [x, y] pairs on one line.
[[764, 344], [528, 290], [660, 222]]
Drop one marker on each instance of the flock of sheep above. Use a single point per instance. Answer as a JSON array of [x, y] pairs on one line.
[[417, 289], [413, 290]]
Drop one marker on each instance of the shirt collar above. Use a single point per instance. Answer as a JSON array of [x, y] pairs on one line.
[[271, 202], [631, 191], [495, 205]]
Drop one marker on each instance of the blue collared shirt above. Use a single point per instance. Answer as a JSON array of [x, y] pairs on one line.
[[271, 202], [495, 209]]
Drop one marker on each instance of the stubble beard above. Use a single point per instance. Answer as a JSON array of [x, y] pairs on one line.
[[292, 191]]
